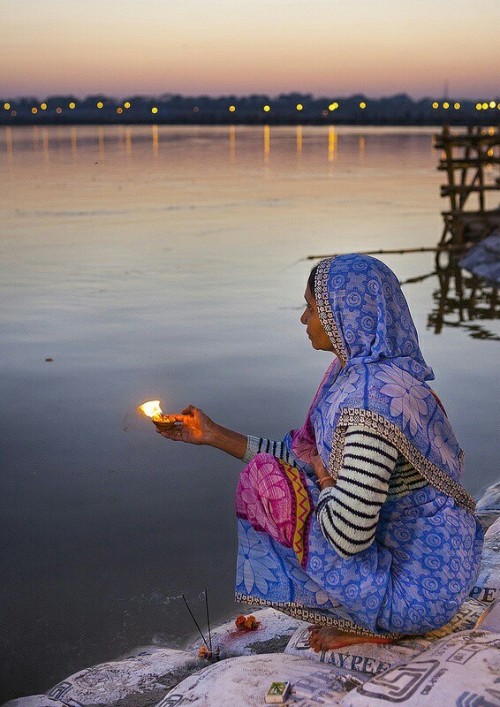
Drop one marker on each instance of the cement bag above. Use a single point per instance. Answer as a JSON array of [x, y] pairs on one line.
[[33, 701], [462, 669], [488, 506], [373, 658], [490, 620], [487, 586], [142, 678], [271, 634], [244, 681]]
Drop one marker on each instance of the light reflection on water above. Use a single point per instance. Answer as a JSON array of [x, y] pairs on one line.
[[168, 262]]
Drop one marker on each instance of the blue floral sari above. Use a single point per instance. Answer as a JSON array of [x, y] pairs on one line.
[[425, 556]]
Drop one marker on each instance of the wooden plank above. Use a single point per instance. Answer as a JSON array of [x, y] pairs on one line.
[[447, 190], [467, 141], [493, 215], [458, 163]]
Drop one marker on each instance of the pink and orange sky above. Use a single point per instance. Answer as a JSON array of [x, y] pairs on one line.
[[324, 47]]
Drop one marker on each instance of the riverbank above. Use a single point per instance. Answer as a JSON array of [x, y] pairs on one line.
[[247, 659]]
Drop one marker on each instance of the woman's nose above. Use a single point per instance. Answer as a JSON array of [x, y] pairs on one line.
[[303, 317]]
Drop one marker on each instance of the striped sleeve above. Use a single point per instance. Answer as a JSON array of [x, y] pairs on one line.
[[258, 445], [348, 512]]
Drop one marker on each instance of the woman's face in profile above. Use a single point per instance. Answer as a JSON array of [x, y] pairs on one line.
[[314, 327]]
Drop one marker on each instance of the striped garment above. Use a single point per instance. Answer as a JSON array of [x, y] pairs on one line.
[[260, 445], [373, 471]]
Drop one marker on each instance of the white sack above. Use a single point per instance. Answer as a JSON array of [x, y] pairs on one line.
[[487, 586], [244, 681], [490, 620], [373, 658], [488, 506], [271, 636], [462, 669], [33, 701], [150, 672]]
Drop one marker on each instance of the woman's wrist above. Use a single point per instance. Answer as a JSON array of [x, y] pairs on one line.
[[226, 440], [325, 482]]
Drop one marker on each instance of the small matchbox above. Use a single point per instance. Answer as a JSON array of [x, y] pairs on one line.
[[277, 693]]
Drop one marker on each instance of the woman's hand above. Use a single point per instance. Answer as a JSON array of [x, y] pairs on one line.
[[324, 478], [195, 427], [192, 426]]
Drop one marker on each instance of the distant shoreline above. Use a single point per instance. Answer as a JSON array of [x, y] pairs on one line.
[[286, 109]]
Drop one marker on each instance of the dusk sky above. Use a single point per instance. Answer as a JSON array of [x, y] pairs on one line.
[[324, 47]]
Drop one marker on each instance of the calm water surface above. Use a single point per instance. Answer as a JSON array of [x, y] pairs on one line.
[[169, 262]]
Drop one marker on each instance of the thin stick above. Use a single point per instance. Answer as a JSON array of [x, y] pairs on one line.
[[196, 623], [390, 251], [208, 620]]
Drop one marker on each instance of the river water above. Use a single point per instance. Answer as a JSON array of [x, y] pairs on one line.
[[169, 262]]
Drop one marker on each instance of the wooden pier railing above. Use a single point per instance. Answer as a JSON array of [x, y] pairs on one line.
[[471, 161]]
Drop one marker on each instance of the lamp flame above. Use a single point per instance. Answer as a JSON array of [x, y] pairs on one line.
[[151, 408]]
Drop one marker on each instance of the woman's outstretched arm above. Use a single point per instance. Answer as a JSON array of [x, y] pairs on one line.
[[193, 426]]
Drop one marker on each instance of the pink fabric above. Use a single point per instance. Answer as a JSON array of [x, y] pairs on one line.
[[264, 498], [303, 440]]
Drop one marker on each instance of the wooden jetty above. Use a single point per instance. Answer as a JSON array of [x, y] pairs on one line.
[[471, 161]]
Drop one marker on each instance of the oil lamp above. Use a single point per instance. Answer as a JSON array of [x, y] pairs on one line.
[[153, 410]]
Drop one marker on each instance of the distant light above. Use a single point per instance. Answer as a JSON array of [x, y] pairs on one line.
[[362, 105], [493, 104], [266, 109], [196, 109], [485, 106], [13, 113], [72, 105], [100, 104], [490, 152], [127, 104], [457, 106], [333, 106], [43, 106], [6, 106], [479, 106], [232, 109], [154, 110], [498, 106], [299, 106], [435, 105], [34, 111], [58, 109], [324, 113], [446, 105], [119, 110]]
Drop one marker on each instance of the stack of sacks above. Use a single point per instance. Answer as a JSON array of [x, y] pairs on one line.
[[244, 682], [488, 506], [487, 586], [462, 669], [366, 659], [141, 678]]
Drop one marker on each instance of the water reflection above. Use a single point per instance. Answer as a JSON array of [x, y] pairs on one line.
[[267, 142], [49, 141], [154, 137], [299, 140], [462, 301], [232, 143]]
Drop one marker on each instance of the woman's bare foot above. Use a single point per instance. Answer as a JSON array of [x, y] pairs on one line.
[[325, 639]]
